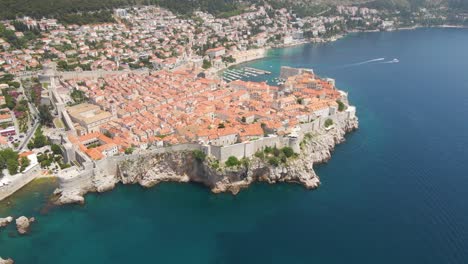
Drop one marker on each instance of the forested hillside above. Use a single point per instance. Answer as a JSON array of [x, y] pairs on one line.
[[83, 10], [9, 9], [60, 9]]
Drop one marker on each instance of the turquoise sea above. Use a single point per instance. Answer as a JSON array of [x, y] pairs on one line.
[[395, 192]]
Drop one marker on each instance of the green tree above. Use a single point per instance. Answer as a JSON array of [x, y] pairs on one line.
[[129, 150], [12, 166], [328, 123], [9, 100], [288, 152], [25, 162], [229, 59], [232, 162], [56, 149], [2, 163], [341, 106], [199, 155], [260, 154], [274, 161], [39, 139], [45, 116], [206, 64], [16, 85], [78, 96]]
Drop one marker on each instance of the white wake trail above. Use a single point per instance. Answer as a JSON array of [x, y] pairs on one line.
[[369, 61], [364, 62]]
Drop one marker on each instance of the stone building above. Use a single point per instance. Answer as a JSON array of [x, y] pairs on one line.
[[88, 118]]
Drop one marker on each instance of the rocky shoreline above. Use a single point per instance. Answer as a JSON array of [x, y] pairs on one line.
[[6, 261], [23, 224], [182, 166]]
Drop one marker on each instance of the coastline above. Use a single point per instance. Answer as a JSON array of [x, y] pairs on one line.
[[354, 211], [150, 169], [265, 54], [335, 38]]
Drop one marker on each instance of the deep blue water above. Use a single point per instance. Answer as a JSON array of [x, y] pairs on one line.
[[395, 192]]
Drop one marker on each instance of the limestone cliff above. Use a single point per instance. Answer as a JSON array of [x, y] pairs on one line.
[[152, 169]]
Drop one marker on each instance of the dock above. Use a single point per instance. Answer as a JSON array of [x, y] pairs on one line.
[[230, 75], [257, 71]]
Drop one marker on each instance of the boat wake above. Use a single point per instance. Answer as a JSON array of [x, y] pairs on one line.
[[364, 62], [369, 61]]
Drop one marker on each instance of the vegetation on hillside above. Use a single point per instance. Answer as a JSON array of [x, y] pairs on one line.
[[39, 140], [15, 41], [84, 11], [275, 156], [104, 16], [11, 9], [89, 11]]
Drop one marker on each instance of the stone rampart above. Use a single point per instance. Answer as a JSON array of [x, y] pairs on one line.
[[19, 181], [96, 74]]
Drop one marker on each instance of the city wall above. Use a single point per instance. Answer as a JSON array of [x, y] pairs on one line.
[[109, 165], [19, 181], [248, 149], [96, 74]]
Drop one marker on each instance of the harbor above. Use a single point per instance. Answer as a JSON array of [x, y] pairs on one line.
[[230, 75]]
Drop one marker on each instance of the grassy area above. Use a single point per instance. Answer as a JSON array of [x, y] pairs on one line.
[[58, 123], [23, 123]]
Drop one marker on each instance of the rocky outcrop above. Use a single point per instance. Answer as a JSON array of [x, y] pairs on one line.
[[152, 169], [6, 261], [5, 221], [67, 196], [23, 224]]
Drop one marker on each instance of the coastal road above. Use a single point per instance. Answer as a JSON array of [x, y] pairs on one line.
[[34, 115], [28, 137]]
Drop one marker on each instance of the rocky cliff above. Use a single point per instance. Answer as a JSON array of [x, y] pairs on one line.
[[182, 166]]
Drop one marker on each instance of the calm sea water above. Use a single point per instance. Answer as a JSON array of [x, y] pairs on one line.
[[395, 192]]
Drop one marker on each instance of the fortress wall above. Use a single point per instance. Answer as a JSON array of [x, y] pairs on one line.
[[263, 143], [96, 74], [109, 164], [222, 153], [19, 182], [215, 151], [246, 149], [236, 150]]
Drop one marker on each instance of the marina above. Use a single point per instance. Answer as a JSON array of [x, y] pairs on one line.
[[230, 75]]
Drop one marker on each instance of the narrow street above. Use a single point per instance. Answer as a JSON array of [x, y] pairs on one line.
[[34, 117]]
